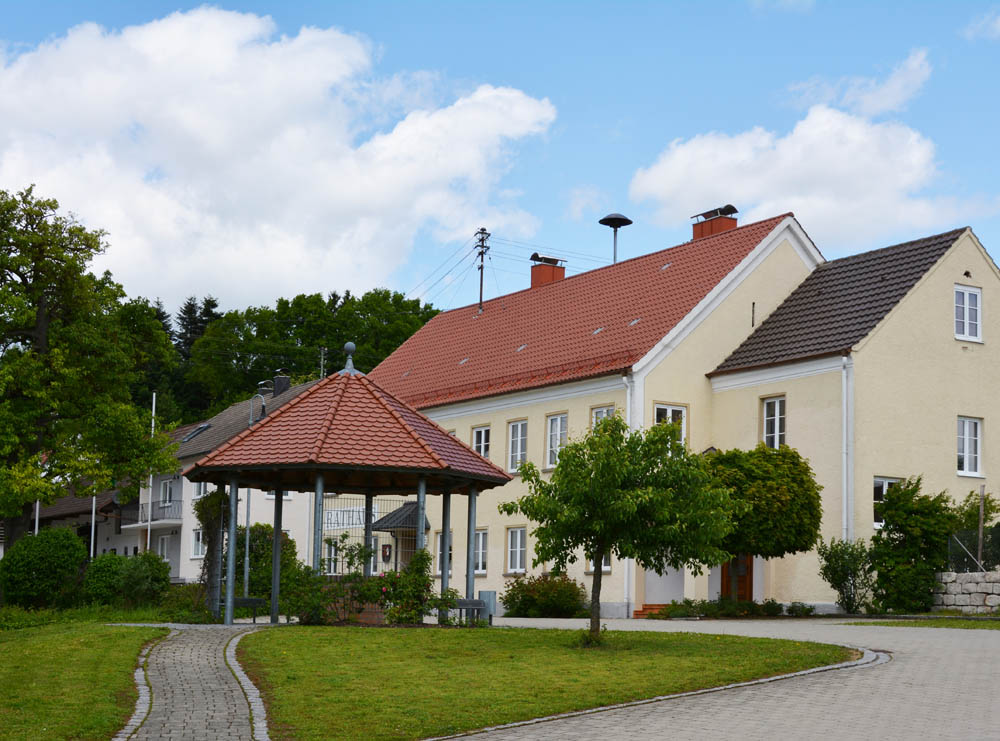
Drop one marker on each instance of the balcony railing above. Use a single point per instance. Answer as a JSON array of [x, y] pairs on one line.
[[138, 514]]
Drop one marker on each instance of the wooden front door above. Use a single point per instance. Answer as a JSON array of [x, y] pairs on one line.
[[744, 577]]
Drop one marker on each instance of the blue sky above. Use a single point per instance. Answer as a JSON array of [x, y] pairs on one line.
[[255, 150]]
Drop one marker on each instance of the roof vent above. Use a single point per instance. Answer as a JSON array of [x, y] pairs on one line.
[[546, 270], [521, 347], [635, 321], [463, 361], [598, 330], [714, 221]]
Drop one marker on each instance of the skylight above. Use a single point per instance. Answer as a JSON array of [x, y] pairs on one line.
[[196, 431]]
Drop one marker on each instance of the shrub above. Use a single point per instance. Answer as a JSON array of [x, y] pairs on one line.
[[545, 596], [772, 608], [145, 578], [261, 539], [185, 603], [911, 546], [43, 570], [675, 609], [847, 567], [800, 609], [102, 582], [720, 608]]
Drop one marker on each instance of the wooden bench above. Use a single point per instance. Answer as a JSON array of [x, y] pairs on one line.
[[472, 608], [254, 603]]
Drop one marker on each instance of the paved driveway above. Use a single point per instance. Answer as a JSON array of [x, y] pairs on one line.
[[940, 684]]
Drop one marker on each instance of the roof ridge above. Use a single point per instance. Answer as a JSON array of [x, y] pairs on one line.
[[399, 418], [702, 240], [867, 253], [324, 429]]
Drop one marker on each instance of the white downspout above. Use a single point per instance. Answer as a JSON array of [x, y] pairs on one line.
[[847, 440], [629, 382]]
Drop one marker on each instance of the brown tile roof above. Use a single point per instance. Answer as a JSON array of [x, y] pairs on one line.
[[71, 506], [838, 304], [346, 422], [591, 324]]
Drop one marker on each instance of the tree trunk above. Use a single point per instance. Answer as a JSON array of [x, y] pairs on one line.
[[595, 597]]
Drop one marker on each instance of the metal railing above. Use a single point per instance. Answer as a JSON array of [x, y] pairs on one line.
[[172, 510]]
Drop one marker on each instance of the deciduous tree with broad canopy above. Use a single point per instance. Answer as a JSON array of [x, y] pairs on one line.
[[782, 507], [636, 494], [71, 346]]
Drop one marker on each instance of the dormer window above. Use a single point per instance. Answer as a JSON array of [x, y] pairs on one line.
[[968, 313]]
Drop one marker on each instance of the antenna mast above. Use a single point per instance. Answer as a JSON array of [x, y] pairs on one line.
[[482, 248]]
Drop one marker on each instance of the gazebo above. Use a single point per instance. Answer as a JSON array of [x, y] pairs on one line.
[[345, 434]]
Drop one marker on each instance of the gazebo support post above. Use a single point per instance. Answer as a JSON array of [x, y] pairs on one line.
[[445, 557], [231, 555], [470, 548], [421, 513], [279, 500], [318, 525], [246, 551], [369, 510]]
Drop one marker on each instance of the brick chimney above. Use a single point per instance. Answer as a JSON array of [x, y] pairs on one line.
[[716, 221], [546, 270]]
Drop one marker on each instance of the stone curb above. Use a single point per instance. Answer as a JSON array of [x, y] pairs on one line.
[[258, 714], [870, 657], [145, 700]]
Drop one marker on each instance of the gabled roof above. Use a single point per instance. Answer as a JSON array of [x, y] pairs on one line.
[[227, 423], [403, 517], [346, 425], [838, 304], [70, 506], [595, 323]]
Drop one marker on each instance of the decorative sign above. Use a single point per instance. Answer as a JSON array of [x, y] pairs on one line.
[[386, 553], [345, 518]]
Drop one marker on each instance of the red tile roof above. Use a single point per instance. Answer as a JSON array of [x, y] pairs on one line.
[[591, 324], [348, 422]]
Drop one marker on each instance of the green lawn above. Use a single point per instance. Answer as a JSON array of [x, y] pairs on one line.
[[945, 622], [68, 680], [322, 682]]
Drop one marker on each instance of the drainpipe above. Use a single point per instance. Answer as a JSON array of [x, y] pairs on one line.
[[629, 382], [847, 440]]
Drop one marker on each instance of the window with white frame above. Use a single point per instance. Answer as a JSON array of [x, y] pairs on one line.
[[968, 313], [200, 489], [969, 437], [605, 563], [882, 484], [479, 552], [163, 547], [558, 431], [774, 422], [373, 563], [440, 553], [197, 544], [330, 557], [672, 414], [599, 413], [517, 550], [481, 440], [518, 449], [286, 497], [166, 492]]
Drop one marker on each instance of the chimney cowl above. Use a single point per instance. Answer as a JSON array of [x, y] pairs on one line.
[[714, 221]]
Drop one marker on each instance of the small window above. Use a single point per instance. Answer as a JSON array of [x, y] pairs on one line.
[[518, 444], [440, 553], [197, 544], [556, 439], [671, 414], [330, 558], [200, 489], [774, 422], [166, 492], [605, 564], [373, 563], [969, 434], [968, 313], [882, 484], [481, 441], [479, 553], [599, 413], [517, 550]]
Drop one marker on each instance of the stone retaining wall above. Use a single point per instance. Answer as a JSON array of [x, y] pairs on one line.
[[976, 592]]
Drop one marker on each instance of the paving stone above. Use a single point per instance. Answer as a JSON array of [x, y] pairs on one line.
[[939, 684]]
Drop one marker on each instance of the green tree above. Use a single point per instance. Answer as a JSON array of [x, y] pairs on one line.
[[847, 567], [782, 506], [638, 495], [71, 348], [911, 546], [967, 511], [261, 538]]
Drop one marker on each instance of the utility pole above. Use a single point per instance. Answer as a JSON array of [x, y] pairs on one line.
[[481, 249]]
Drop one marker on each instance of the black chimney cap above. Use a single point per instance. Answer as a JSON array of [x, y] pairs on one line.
[[727, 210], [615, 221]]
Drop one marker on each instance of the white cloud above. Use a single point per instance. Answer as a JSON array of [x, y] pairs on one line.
[[848, 179], [225, 159], [866, 95], [584, 200], [985, 27]]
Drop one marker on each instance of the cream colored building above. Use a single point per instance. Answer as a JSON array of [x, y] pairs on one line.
[[859, 363]]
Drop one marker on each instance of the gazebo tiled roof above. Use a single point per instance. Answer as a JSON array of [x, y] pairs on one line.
[[362, 438]]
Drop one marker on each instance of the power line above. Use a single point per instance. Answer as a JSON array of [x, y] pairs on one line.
[[447, 260]]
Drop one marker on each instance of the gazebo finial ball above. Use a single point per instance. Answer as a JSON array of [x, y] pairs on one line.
[[349, 348]]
